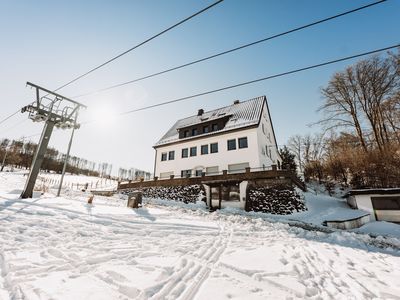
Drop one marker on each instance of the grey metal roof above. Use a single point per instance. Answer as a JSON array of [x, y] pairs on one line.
[[244, 114]]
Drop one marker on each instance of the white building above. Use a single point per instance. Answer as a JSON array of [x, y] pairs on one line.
[[383, 204], [231, 138]]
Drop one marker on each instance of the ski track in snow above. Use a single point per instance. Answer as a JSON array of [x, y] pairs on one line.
[[63, 249]]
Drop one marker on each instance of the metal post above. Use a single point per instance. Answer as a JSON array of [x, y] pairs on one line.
[[4, 159], [66, 158], [38, 159], [65, 162]]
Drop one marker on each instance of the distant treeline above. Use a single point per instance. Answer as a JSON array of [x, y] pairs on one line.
[[19, 154]]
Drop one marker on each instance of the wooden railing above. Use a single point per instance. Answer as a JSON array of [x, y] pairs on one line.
[[223, 176]]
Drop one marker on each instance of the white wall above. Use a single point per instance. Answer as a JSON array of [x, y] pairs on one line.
[[266, 138], [364, 202], [221, 159]]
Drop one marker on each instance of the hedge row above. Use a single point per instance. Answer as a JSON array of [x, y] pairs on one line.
[[186, 194], [280, 200]]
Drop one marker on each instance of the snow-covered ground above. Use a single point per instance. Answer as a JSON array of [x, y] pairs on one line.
[[70, 182], [63, 248], [322, 207]]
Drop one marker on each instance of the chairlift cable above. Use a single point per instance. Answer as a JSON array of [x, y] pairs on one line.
[[138, 45], [259, 80], [231, 50]]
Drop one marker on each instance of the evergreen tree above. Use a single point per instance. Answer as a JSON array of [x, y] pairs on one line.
[[288, 159]]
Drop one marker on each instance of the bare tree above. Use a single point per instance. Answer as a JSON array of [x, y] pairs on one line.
[[341, 108], [295, 146], [364, 98]]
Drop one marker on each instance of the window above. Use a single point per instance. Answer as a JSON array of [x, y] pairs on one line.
[[214, 148], [199, 173], [205, 129], [194, 131], [266, 150], [166, 175], [214, 127], [386, 203], [242, 142], [186, 173], [186, 133], [238, 168], [270, 155], [185, 152], [193, 151], [204, 149], [171, 155], [232, 144], [263, 129], [212, 170], [164, 156]]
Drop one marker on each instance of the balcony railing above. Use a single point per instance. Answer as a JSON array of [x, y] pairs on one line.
[[204, 174]]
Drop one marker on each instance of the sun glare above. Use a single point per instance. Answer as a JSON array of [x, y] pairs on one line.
[[104, 115]]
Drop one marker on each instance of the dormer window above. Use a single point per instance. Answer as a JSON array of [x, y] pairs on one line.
[[194, 131], [205, 129], [186, 133], [214, 127]]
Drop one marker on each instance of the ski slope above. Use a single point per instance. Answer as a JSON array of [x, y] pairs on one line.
[[63, 248]]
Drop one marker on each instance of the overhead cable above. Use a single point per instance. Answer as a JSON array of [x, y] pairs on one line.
[[232, 50], [138, 45], [261, 79]]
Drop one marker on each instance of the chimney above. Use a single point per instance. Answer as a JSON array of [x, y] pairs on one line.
[[200, 112], [236, 102]]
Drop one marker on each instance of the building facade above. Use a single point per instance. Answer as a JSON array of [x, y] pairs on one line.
[[230, 138]]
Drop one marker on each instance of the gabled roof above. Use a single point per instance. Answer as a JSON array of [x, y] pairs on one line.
[[243, 114]]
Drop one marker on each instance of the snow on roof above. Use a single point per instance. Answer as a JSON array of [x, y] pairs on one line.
[[381, 191], [347, 215], [243, 114]]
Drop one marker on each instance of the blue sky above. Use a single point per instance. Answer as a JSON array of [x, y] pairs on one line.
[[51, 42]]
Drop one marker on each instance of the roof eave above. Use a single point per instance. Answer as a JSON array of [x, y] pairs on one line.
[[197, 137]]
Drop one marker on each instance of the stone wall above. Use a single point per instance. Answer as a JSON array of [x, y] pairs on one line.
[[277, 199]]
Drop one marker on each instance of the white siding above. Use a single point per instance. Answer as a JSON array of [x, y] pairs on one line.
[[266, 142], [364, 203], [221, 159]]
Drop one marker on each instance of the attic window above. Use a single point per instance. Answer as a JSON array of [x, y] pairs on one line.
[[204, 119], [221, 114], [186, 133]]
